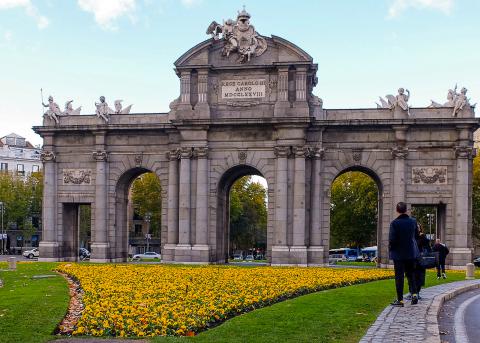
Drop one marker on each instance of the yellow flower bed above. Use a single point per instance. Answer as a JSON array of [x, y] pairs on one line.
[[132, 300]]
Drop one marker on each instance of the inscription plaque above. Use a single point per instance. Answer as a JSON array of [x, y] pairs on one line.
[[243, 89]]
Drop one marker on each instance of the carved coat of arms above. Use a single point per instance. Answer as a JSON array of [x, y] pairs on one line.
[[239, 36]]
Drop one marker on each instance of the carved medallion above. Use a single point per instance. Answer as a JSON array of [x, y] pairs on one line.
[[242, 156], [47, 156], [100, 155], [77, 176], [357, 155], [429, 175], [138, 160]]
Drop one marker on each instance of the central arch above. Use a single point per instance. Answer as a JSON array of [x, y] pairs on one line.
[[381, 250], [223, 207]]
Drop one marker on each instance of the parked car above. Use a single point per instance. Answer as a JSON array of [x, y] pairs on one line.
[[147, 255], [83, 253], [31, 253], [249, 258], [477, 261], [237, 257]]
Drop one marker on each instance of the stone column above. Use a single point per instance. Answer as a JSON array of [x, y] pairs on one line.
[[100, 243], [299, 250], [172, 203], [460, 246], [49, 243], [280, 249], [182, 251], [399, 154], [316, 249], [201, 233]]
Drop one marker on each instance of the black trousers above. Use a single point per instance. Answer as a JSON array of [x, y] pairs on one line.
[[404, 268], [440, 268], [420, 274]]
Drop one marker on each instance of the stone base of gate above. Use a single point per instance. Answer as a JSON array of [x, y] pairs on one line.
[[100, 252], [49, 251], [315, 256], [459, 257], [168, 253], [201, 253], [183, 253], [294, 255]]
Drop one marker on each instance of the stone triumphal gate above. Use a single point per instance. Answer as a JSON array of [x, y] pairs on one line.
[[246, 107]]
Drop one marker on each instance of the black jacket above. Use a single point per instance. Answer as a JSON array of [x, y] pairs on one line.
[[402, 238], [442, 251]]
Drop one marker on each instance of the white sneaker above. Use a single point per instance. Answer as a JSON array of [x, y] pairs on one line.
[[444, 275]]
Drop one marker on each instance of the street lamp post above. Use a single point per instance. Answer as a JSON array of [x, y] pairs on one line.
[[4, 240], [147, 218]]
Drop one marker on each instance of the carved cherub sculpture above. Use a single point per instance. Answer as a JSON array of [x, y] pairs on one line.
[[460, 101], [119, 109], [69, 109], [53, 111], [450, 99], [103, 111], [401, 100]]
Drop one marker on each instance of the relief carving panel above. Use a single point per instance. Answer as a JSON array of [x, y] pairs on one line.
[[77, 176], [435, 175]]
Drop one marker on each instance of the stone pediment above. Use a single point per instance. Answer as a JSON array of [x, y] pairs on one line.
[[209, 53]]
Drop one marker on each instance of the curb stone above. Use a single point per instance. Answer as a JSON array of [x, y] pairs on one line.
[[417, 323]]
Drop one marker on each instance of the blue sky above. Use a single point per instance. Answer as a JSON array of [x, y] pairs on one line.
[[125, 49]]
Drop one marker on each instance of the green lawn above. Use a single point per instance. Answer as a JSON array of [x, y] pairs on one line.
[[30, 309], [336, 315]]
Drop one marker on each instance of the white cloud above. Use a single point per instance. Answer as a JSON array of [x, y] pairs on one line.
[[8, 35], [107, 11], [30, 10], [190, 3], [399, 6]]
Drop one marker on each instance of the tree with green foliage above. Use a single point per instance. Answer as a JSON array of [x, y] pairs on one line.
[[248, 215], [22, 197], [354, 211], [147, 197]]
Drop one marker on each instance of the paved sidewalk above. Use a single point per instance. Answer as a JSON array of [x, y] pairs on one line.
[[416, 323]]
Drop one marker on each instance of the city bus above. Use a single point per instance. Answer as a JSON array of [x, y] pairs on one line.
[[342, 254]]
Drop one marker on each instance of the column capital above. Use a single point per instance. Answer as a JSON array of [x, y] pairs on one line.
[[303, 151], [464, 152], [186, 152], [47, 156], [318, 153], [281, 151], [200, 152], [100, 155], [173, 154], [399, 152]]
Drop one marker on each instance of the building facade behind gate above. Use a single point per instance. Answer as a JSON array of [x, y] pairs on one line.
[[246, 107]]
